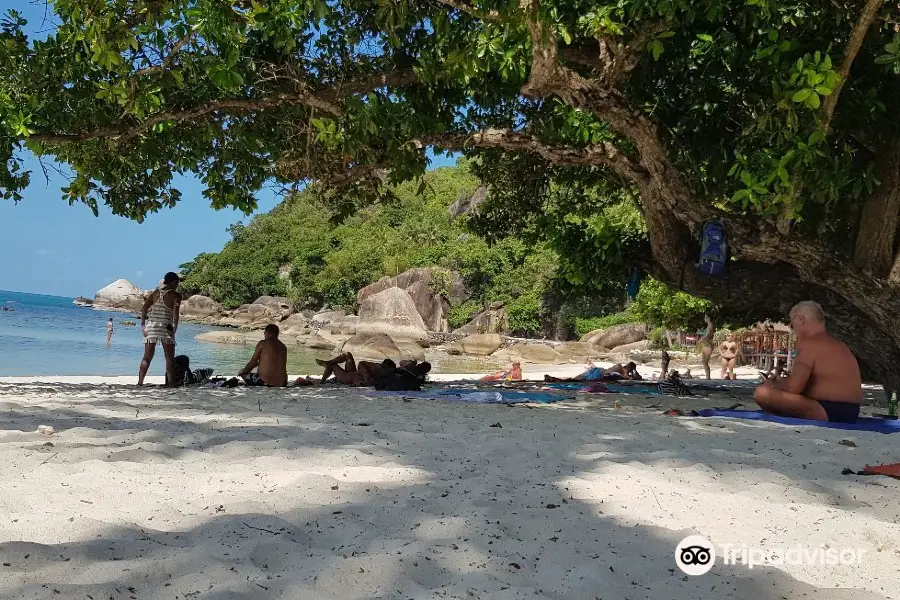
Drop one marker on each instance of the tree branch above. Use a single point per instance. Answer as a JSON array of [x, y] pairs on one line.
[[468, 8], [327, 100], [242, 104], [596, 155], [857, 36], [167, 62]]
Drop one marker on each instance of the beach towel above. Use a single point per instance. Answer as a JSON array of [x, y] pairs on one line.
[[862, 424], [889, 470], [475, 396]]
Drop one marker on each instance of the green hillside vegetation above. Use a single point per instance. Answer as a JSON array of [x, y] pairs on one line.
[[299, 251]]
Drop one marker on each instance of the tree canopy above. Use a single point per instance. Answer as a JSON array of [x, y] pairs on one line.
[[779, 117]]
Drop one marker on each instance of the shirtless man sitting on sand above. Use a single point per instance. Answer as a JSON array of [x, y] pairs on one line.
[[269, 360], [825, 384]]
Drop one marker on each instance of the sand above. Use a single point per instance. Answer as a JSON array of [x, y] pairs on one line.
[[330, 493]]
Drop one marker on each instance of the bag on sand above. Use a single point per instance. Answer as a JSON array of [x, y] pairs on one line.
[[713, 251]]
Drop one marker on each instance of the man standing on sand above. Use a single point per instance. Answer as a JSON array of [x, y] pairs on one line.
[[109, 332], [825, 383], [159, 322], [269, 360]]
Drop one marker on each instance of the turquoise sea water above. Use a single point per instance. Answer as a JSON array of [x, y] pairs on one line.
[[48, 335]]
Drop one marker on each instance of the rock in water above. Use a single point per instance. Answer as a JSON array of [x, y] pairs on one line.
[[393, 313], [120, 294], [201, 306]]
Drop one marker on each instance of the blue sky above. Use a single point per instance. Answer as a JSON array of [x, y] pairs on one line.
[[49, 247]]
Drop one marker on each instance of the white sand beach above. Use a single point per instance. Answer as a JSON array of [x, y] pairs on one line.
[[332, 493]]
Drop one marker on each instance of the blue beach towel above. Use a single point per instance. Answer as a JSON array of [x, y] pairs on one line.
[[474, 396], [862, 424]]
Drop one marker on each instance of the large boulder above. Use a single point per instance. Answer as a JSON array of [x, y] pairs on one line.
[[530, 353], [327, 316], [378, 346], [295, 325], [240, 338], [432, 307], [421, 284], [492, 320], [265, 310], [120, 294], [577, 351], [629, 348], [277, 308], [617, 335], [477, 344], [82, 301], [319, 342], [201, 306], [345, 326], [393, 313]]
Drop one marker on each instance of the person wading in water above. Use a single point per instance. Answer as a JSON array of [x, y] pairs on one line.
[[159, 322]]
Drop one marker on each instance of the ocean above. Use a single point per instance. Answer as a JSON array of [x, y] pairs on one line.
[[48, 335]]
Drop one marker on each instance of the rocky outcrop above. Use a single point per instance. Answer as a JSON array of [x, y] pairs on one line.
[[319, 342], [617, 335], [378, 346], [627, 349], [530, 353], [467, 205], [577, 351], [263, 311], [393, 313], [201, 306], [82, 301], [477, 344], [277, 308], [326, 317], [295, 325], [492, 320], [120, 295], [241, 338], [420, 284]]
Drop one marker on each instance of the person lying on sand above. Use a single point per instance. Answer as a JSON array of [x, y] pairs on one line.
[[360, 375], [269, 360], [825, 383], [409, 376], [614, 373], [514, 373]]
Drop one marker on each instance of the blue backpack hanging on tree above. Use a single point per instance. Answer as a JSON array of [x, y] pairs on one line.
[[713, 248]]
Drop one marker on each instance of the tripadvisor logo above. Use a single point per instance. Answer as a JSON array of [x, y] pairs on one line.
[[695, 555]]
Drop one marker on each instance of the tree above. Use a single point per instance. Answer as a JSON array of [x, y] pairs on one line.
[[779, 117]]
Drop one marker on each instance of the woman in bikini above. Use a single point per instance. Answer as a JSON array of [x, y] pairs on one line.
[[159, 321], [728, 350]]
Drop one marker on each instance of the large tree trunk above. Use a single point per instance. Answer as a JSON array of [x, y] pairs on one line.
[[756, 290], [773, 271], [878, 224]]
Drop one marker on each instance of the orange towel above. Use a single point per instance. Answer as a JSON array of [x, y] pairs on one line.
[[889, 470]]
